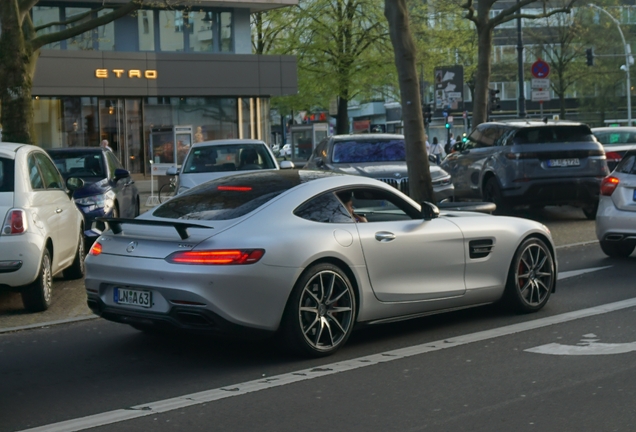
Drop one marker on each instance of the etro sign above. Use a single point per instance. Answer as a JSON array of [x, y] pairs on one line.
[[132, 73]]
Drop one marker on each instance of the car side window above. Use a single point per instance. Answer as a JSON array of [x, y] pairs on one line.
[[377, 205], [112, 163], [490, 136], [50, 175], [627, 165], [324, 208], [321, 150], [34, 174]]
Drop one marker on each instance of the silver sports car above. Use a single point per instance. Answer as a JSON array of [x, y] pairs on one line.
[[307, 255]]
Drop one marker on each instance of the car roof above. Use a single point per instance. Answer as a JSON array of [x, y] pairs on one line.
[[536, 123], [615, 128], [8, 150], [75, 150], [367, 136], [227, 142]]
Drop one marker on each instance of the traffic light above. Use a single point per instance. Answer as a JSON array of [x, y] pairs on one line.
[[493, 100], [464, 137], [589, 53], [447, 125]]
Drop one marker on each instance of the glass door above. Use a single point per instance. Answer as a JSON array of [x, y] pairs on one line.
[[120, 122]]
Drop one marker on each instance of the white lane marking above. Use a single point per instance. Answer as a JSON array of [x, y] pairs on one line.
[[587, 346], [583, 243], [180, 402], [572, 273]]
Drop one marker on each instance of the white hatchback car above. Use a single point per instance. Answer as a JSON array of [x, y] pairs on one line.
[[210, 160], [616, 216], [42, 228]]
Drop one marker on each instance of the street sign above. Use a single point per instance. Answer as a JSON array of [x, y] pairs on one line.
[[449, 87], [540, 95], [540, 69], [449, 119], [541, 83]]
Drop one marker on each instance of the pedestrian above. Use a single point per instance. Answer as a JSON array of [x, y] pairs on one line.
[[104, 145], [448, 148], [428, 145], [437, 151]]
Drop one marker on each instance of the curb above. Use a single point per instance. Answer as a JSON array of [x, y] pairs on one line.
[[47, 324]]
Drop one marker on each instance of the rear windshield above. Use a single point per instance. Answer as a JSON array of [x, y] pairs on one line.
[[234, 157], [234, 196], [553, 134], [78, 163], [6, 175], [628, 164], [358, 151], [616, 137]]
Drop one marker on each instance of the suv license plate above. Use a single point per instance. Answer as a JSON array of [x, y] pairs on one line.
[[563, 162], [133, 297]]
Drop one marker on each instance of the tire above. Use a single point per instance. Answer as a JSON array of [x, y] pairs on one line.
[[531, 277], [77, 269], [492, 193], [617, 249], [137, 208], [36, 296], [166, 192], [590, 212], [320, 312]]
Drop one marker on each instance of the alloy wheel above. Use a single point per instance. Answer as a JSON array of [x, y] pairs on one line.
[[534, 274], [326, 310], [47, 279]]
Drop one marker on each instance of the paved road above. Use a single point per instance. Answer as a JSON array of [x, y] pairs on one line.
[[475, 370], [567, 224]]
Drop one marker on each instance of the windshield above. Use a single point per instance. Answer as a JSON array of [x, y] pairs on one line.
[[79, 164], [378, 150], [617, 137], [553, 134], [6, 175], [230, 157]]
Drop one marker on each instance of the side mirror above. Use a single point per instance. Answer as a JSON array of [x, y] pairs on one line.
[[121, 173], [429, 210], [172, 171], [286, 164], [74, 183], [319, 162]]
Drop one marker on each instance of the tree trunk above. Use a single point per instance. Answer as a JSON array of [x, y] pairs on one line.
[[420, 184], [342, 118], [15, 78], [482, 76]]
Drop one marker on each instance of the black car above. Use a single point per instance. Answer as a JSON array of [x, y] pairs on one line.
[[108, 191], [379, 156], [532, 163]]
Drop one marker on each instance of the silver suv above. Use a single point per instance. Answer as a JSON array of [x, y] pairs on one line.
[[529, 163]]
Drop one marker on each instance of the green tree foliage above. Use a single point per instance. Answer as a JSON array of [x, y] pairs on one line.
[[20, 43], [479, 13], [342, 47]]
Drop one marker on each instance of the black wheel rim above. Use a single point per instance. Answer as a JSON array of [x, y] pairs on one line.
[[534, 274], [326, 310]]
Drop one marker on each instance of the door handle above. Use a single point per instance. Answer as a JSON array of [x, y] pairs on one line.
[[384, 236], [58, 210]]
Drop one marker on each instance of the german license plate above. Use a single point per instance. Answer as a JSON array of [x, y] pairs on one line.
[[133, 297], [563, 162]]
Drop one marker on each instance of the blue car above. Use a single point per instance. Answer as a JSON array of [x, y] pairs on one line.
[[108, 191]]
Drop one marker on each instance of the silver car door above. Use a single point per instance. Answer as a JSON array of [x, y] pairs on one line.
[[411, 260]]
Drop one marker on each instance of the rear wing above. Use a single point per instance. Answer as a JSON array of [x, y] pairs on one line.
[[115, 225]]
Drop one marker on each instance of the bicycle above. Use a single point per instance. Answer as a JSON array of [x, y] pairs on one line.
[[168, 190]]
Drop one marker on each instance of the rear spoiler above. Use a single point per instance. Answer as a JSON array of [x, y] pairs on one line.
[[181, 227]]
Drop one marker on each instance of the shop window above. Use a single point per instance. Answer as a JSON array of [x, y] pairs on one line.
[[42, 15], [83, 41], [146, 30], [171, 40]]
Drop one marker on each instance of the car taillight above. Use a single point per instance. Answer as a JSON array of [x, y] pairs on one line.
[[96, 249], [613, 157], [608, 185], [217, 257], [15, 222]]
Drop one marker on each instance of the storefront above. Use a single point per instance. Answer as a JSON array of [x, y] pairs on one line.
[[136, 100]]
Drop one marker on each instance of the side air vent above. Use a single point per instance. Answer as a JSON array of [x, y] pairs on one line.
[[480, 248]]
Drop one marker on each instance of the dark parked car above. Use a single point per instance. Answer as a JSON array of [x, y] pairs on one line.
[[617, 141], [379, 156], [529, 163], [108, 191]]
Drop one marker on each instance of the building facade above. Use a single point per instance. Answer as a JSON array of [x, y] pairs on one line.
[[154, 82]]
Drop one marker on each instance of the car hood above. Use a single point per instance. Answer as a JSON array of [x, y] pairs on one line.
[[379, 170], [92, 187]]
